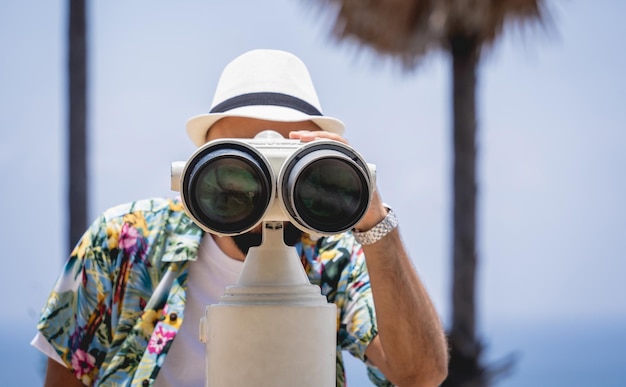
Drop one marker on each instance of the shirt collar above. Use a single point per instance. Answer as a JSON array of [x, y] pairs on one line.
[[183, 236]]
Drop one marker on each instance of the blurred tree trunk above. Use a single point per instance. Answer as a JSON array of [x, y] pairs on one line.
[[465, 368], [77, 118]]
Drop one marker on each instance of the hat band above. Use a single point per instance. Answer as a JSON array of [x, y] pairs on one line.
[[273, 99]]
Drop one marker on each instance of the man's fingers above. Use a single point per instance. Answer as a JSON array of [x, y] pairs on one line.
[[306, 136]]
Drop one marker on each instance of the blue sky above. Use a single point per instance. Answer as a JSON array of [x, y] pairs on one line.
[[552, 222]]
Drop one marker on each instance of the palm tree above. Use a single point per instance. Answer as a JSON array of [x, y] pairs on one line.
[[408, 30], [77, 117]]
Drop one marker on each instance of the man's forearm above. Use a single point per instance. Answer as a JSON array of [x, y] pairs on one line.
[[59, 376], [409, 330]]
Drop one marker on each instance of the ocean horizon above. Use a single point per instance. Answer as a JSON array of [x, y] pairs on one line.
[[569, 353]]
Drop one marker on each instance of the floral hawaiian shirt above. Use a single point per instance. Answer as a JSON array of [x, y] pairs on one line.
[[120, 299]]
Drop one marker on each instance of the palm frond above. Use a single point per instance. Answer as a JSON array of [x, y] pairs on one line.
[[410, 29]]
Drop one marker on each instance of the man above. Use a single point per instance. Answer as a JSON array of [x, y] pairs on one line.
[[125, 311]]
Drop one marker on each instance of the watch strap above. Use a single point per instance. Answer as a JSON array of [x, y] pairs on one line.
[[377, 232]]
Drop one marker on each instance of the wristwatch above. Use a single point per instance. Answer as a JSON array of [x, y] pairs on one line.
[[376, 233]]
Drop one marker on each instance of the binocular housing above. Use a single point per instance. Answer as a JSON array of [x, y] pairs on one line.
[[229, 186]]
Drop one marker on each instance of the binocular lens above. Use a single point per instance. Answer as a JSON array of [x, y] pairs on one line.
[[330, 194], [230, 193], [228, 190]]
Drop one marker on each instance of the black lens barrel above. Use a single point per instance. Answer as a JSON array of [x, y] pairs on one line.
[[326, 189], [228, 188]]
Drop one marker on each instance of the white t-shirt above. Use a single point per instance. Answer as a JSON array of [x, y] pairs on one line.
[[206, 282]]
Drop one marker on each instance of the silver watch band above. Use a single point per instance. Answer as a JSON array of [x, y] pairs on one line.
[[383, 228]]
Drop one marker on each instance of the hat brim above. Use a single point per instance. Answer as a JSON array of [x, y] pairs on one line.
[[198, 126]]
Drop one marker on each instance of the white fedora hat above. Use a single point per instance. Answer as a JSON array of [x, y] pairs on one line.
[[270, 85]]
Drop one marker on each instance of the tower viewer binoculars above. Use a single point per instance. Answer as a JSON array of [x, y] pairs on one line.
[[229, 186]]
